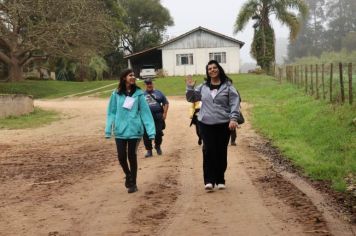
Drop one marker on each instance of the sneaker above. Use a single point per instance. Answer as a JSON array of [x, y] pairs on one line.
[[199, 142], [132, 189], [221, 186], [149, 153], [209, 186], [233, 143], [159, 151]]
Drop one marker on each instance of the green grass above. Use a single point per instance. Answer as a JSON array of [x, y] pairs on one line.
[[52, 89], [317, 136], [34, 119]]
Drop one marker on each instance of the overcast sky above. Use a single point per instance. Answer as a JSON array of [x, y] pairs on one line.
[[216, 15]]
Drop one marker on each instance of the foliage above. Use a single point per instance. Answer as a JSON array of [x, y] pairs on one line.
[[36, 29], [330, 26], [262, 48], [144, 21], [329, 57], [98, 65]]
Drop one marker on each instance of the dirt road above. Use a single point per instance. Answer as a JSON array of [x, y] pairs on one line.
[[64, 179]]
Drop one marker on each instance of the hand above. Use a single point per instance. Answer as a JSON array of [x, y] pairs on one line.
[[189, 81], [164, 116], [233, 125]]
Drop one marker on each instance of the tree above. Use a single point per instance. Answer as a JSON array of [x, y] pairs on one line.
[[36, 29], [342, 20], [262, 48], [145, 21], [311, 38]]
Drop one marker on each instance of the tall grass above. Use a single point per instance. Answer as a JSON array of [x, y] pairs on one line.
[[317, 136]]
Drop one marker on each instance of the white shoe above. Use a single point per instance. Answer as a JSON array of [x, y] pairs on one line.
[[209, 186], [221, 186]]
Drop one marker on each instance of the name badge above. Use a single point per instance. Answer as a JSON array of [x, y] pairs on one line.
[[214, 92], [128, 103]]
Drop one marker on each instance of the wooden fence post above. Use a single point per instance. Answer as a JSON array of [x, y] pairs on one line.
[[341, 83], [317, 80], [311, 80], [306, 79], [331, 81], [350, 83], [323, 80]]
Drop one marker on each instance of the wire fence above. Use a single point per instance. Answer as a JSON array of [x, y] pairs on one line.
[[335, 82]]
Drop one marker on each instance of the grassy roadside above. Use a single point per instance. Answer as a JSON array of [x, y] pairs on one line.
[[317, 136], [34, 119], [52, 89]]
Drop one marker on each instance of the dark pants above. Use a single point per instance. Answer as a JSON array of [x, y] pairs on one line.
[[158, 137], [215, 142], [127, 149]]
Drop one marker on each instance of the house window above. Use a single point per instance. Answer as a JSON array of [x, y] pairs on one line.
[[184, 59], [218, 56]]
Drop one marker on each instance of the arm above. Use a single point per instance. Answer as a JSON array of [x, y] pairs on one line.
[[110, 117], [165, 106], [234, 103], [146, 117]]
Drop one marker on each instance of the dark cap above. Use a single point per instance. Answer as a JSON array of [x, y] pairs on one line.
[[148, 81]]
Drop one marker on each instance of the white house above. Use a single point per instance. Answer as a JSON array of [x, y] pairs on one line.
[[190, 52]]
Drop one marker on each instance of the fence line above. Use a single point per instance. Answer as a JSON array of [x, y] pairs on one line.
[[315, 78]]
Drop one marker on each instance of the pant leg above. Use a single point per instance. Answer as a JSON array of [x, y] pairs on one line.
[[222, 143], [209, 152], [159, 132], [146, 141], [121, 146], [132, 156]]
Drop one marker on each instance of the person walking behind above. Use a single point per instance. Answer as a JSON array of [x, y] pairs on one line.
[[218, 115], [194, 110], [158, 104], [127, 115]]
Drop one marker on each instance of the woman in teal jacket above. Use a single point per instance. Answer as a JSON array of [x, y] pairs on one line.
[[127, 115]]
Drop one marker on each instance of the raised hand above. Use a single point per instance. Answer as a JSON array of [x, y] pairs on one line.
[[189, 81]]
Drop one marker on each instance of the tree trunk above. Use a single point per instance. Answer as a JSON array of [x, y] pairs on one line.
[[15, 70]]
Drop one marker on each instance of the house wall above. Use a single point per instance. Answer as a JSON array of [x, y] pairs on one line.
[[200, 44], [200, 59]]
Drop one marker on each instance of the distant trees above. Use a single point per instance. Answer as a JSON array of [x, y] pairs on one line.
[[36, 29], [144, 24], [75, 36], [260, 11], [330, 26]]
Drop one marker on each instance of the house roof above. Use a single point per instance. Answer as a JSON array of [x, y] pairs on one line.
[[182, 36]]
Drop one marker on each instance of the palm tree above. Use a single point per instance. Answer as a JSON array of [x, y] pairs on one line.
[[262, 48]]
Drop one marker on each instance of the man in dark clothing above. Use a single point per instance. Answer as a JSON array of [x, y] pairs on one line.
[[158, 104]]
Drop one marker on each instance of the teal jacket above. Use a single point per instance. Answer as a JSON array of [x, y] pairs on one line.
[[129, 124]]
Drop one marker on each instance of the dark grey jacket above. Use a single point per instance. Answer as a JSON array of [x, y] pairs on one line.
[[221, 109]]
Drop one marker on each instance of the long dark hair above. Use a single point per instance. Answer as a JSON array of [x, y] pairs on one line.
[[222, 75], [122, 83]]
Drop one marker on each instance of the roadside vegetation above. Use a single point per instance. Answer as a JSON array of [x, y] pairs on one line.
[[53, 89], [37, 118], [318, 137]]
